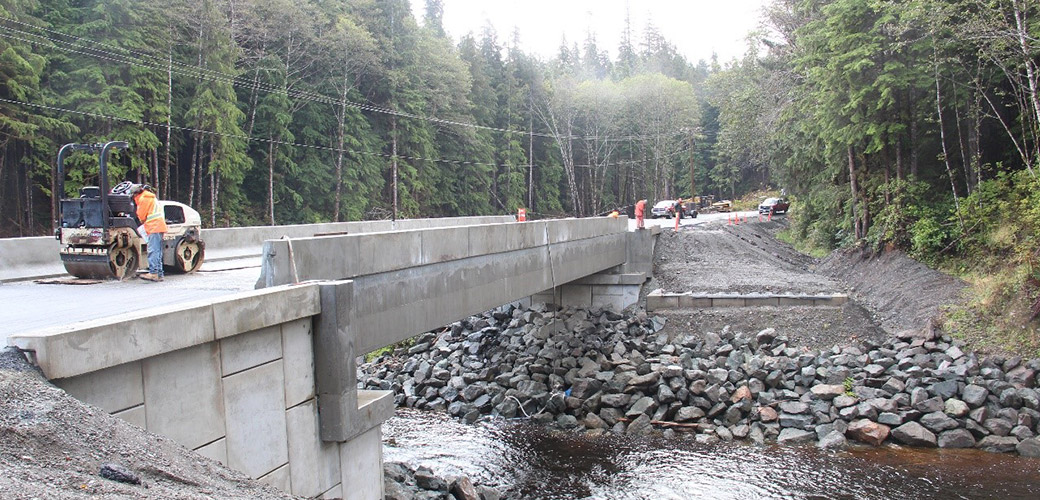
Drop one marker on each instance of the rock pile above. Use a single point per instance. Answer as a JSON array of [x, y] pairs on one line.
[[598, 371], [402, 482]]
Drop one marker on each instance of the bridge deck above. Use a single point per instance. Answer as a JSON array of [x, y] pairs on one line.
[[28, 306]]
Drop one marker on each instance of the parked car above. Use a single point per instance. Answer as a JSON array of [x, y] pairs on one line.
[[666, 208], [774, 205]]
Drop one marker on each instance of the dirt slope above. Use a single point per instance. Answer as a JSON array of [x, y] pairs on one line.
[[904, 294], [53, 446]]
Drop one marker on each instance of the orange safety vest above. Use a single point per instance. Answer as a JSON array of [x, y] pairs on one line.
[[150, 213]]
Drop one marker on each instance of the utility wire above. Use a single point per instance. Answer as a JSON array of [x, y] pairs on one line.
[[285, 143], [162, 64]]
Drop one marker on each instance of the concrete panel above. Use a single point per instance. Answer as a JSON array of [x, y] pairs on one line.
[[577, 295], [298, 359], [361, 460], [761, 301], [184, 397], [250, 349], [134, 416], [795, 301], [253, 310], [693, 301], [254, 400], [727, 302], [440, 245], [334, 493], [387, 252], [89, 346], [506, 238], [833, 300], [21, 258], [217, 450], [655, 302], [279, 478], [112, 389], [613, 302], [314, 465]]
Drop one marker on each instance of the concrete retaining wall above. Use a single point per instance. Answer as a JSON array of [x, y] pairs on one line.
[[233, 379], [37, 257], [658, 300]]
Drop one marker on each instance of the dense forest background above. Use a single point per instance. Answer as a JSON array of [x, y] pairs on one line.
[[911, 124]]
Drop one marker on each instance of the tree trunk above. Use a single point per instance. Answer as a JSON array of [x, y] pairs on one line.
[[270, 180], [942, 139], [855, 194], [212, 189], [340, 138], [169, 119], [1022, 32], [194, 167], [530, 159], [393, 165]]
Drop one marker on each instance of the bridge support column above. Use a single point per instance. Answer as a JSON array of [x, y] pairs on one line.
[[346, 415]]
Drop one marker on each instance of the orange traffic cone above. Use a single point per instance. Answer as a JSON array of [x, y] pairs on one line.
[[729, 220]]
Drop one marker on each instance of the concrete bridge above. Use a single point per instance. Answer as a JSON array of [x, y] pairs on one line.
[[265, 380]]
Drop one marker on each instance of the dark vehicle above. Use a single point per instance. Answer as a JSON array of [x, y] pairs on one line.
[[774, 206]]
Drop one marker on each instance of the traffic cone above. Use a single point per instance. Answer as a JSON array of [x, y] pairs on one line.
[[736, 219], [729, 220], [770, 216]]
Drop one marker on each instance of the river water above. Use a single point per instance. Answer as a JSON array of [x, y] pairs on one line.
[[533, 462]]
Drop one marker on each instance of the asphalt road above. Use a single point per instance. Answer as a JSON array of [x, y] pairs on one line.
[[28, 306]]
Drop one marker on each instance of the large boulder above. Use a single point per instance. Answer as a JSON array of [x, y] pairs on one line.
[[795, 436], [866, 431], [957, 438], [914, 434]]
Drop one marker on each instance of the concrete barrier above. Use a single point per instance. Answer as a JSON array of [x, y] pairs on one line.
[[37, 257]]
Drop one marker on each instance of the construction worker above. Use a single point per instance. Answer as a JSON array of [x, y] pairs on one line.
[[153, 227], [640, 212], [615, 214]]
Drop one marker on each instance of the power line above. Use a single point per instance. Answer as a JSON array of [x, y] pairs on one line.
[[217, 76], [293, 144], [212, 75]]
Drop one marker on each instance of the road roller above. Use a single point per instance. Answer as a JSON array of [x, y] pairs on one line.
[[98, 230]]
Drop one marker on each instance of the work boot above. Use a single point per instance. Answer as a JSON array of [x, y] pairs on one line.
[[150, 277]]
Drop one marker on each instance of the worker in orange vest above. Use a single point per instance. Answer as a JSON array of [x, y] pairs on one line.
[[640, 212], [153, 227]]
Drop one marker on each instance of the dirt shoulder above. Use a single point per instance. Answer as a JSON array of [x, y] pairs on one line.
[[53, 446]]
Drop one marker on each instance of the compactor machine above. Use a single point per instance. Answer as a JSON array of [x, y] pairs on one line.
[[98, 231]]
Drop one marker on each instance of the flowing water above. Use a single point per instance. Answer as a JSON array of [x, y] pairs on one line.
[[533, 462]]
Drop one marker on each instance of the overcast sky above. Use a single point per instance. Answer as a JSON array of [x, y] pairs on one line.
[[696, 27]]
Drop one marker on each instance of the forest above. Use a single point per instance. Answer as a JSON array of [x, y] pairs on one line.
[[905, 124]]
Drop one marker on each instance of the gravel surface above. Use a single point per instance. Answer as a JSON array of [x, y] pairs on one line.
[[717, 258]]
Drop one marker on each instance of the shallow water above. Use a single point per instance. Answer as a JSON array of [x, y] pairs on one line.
[[532, 462]]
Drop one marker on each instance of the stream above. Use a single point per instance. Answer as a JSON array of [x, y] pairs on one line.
[[530, 461]]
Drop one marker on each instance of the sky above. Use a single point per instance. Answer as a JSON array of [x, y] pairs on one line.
[[697, 28]]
